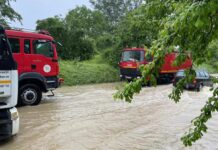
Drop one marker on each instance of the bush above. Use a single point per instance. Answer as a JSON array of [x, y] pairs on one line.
[[113, 55], [211, 59], [77, 47]]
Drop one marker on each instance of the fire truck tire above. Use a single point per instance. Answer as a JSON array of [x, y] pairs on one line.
[[199, 87], [29, 94], [149, 84]]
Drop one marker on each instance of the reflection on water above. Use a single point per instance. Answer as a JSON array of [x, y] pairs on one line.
[[86, 117]]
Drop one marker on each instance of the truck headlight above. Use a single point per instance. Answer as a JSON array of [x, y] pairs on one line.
[[14, 115]]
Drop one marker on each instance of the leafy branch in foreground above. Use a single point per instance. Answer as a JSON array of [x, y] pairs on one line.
[[199, 122], [192, 25], [177, 92]]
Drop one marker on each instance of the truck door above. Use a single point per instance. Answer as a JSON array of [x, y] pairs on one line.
[[16, 45], [42, 58], [21, 48]]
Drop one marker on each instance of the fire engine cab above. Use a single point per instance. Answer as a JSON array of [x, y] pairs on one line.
[[132, 58], [37, 60]]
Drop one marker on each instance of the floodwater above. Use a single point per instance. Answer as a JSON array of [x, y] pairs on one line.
[[87, 118]]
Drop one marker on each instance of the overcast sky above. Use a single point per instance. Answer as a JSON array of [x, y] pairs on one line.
[[33, 10]]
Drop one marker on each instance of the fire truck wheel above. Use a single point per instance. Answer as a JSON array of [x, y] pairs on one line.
[[30, 94], [199, 87]]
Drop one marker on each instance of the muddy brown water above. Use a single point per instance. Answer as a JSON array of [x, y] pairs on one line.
[[87, 118]]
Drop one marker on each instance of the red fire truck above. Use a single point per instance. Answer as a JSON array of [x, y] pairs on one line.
[[132, 58], [37, 59]]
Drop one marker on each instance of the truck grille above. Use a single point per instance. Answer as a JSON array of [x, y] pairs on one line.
[[52, 82], [130, 72]]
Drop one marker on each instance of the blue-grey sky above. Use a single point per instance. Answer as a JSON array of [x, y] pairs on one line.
[[33, 10]]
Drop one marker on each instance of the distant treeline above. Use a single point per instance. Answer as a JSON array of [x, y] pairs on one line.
[[106, 29]]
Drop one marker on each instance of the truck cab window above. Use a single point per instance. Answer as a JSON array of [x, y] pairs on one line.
[[27, 46], [3, 48], [15, 45], [44, 48], [133, 56]]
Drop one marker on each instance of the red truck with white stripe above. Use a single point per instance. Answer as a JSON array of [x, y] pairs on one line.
[[36, 56], [132, 58]]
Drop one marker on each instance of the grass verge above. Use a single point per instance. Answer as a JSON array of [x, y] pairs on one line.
[[209, 68], [87, 72]]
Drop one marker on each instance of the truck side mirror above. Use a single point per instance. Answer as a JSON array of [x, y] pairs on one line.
[[57, 43], [2, 30]]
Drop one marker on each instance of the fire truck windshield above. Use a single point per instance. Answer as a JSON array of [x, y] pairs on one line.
[[43, 47], [133, 56]]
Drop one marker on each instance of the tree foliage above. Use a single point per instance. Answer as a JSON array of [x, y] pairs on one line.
[[8, 13], [55, 25], [212, 56], [114, 10], [77, 32], [142, 25], [81, 19], [192, 25]]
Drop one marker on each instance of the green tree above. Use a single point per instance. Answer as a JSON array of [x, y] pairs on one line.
[[81, 19], [142, 25], [56, 27], [76, 32], [213, 56], [114, 10], [7, 13], [192, 25], [86, 25]]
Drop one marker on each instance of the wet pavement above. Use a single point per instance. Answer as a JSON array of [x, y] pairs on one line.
[[87, 118]]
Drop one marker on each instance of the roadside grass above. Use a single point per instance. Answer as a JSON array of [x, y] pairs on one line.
[[209, 68], [87, 72], [97, 70]]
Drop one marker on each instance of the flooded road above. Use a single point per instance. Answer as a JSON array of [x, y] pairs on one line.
[[87, 118]]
